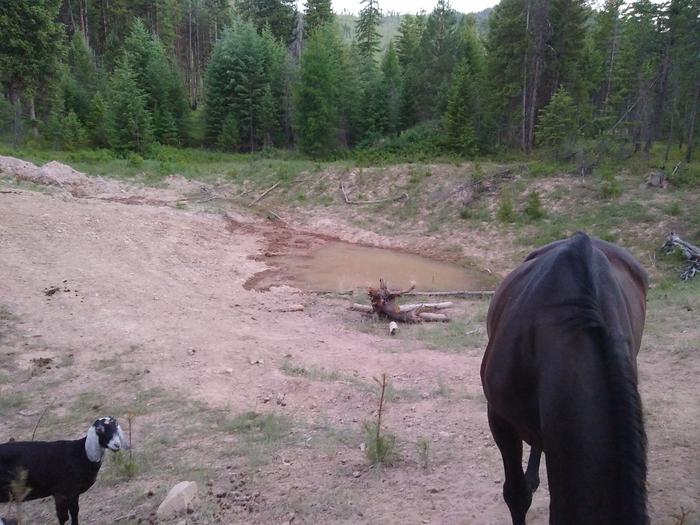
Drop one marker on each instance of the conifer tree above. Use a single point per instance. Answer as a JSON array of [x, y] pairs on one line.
[[436, 60], [557, 124], [391, 92], [279, 16], [96, 121], [462, 113], [30, 44], [317, 14], [367, 30], [317, 94], [155, 74], [245, 78], [408, 51], [129, 123]]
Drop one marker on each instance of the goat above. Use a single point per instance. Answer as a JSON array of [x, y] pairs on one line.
[[62, 469]]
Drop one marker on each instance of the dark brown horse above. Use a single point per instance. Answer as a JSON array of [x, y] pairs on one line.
[[560, 373]]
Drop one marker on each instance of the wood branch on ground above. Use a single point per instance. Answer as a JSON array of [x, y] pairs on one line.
[[689, 251], [404, 307], [268, 190], [384, 304], [403, 196], [453, 293]]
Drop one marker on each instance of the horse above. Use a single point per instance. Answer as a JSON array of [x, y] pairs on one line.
[[560, 373]]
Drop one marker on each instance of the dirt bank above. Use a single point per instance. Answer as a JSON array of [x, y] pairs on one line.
[[151, 316]]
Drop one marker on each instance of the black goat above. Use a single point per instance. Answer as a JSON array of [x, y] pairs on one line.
[[62, 469]]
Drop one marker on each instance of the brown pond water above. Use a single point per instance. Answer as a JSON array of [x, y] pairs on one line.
[[340, 266]]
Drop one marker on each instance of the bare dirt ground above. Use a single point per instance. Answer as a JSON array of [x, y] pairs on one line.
[[138, 307]]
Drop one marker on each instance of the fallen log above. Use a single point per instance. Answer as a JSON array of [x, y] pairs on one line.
[[689, 251], [404, 307], [384, 304], [429, 316], [377, 201], [420, 316], [453, 293]]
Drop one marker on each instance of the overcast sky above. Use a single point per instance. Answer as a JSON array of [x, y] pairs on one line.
[[411, 6]]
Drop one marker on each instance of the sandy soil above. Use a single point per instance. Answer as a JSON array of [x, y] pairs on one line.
[[154, 315]]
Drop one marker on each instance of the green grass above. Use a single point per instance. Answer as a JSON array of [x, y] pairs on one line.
[[455, 336], [12, 402], [261, 435]]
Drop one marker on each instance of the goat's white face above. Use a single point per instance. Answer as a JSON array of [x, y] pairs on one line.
[[110, 434]]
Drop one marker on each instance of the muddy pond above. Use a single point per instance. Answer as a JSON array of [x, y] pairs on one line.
[[338, 266]]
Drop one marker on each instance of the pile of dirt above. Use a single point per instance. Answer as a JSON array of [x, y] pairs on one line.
[[50, 174], [78, 184]]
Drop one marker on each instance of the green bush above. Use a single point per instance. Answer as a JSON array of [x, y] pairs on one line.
[[380, 448], [533, 207], [506, 210]]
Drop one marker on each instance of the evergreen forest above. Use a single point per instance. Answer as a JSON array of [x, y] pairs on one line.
[[559, 76]]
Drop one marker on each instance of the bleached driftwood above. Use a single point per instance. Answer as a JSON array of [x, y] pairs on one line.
[[384, 304], [404, 307], [453, 293], [689, 251]]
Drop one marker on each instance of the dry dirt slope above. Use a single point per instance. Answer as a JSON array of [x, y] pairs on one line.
[[151, 317]]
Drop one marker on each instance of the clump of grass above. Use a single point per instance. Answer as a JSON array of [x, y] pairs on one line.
[[506, 210], [123, 465], [135, 160], [12, 401], [379, 447], [608, 186], [423, 448], [256, 427], [533, 206], [673, 209]]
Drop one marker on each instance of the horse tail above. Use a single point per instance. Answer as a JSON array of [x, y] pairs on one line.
[[621, 379]]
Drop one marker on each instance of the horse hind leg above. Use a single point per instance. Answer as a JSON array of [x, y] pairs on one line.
[[516, 489], [532, 474]]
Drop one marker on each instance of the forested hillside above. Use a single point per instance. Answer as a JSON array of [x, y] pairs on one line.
[[128, 75]]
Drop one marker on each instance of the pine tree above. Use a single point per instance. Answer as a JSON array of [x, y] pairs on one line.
[[245, 70], [367, 30], [279, 16], [317, 94], [96, 121], [557, 124], [156, 75], [461, 114], [317, 14], [564, 67], [506, 47], [230, 135], [79, 79], [30, 44], [408, 51], [391, 92], [437, 59], [129, 123]]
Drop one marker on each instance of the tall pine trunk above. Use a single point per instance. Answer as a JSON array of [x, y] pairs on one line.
[[17, 114], [691, 130], [32, 117]]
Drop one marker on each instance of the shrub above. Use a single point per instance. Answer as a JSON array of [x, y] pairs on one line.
[[506, 210], [533, 207]]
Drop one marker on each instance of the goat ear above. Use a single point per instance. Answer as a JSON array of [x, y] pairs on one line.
[[122, 438]]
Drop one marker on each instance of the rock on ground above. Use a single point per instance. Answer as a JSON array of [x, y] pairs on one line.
[[181, 497]]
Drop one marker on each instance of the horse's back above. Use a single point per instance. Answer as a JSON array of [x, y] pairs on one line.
[[536, 319], [559, 372]]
